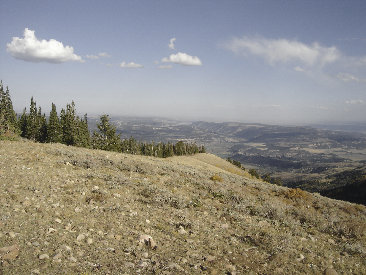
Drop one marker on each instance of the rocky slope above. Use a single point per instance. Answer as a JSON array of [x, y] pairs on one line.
[[67, 210]]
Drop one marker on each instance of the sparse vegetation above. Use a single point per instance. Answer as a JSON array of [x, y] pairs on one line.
[[84, 211], [254, 173], [216, 177]]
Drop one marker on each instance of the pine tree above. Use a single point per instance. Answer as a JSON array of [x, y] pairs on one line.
[[54, 133], [68, 124], [82, 138], [32, 122], [8, 120], [22, 123], [106, 138], [41, 126]]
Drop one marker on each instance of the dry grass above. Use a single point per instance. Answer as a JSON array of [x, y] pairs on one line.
[[87, 209], [216, 177]]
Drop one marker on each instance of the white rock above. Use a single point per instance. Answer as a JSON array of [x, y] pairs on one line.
[[181, 230], [300, 258], [44, 256], [80, 237], [51, 230], [58, 220], [89, 241]]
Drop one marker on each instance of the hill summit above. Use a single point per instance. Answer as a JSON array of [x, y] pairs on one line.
[[68, 210]]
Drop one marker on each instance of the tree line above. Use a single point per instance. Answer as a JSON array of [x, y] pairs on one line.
[[70, 129]]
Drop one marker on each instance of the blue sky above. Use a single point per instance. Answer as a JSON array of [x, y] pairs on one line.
[[252, 61]]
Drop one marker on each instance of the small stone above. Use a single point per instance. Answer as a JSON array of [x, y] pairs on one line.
[[145, 255], [72, 259], [129, 265], [148, 240], [12, 234], [50, 230], [300, 258], [331, 241], [181, 230], [225, 226], [89, 241], [57, 257], [78, 209], [143, 264], [58, 220], [66, 247], [36, 271], [210, 258], [330, 271], [44, 256], [147, 221], [9, 252], [175, 266], [80, 237]]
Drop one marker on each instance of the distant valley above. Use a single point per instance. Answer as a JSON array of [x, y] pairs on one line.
[[311, 158]]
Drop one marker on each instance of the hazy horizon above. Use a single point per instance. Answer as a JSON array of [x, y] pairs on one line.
[[274, 62]]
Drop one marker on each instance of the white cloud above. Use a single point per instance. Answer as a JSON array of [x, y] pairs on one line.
[[346, 77], [299, 69], [284, 51], [165, 67], [31, 49], [171, 43], [104, 54], [355, 102], [183, 59], [92, 56], [131, 65]]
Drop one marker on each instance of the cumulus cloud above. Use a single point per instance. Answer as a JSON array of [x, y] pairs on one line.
[[171, 43], [355, 102], [93, 56], [183, 59], [131, 65], [284, 51], [31, 49]]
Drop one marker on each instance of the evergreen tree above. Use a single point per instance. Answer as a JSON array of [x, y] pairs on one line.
[[106, 138], [22, 123], [41, 126], [31, 125], [8, 120], [54, 132], [83, 136]]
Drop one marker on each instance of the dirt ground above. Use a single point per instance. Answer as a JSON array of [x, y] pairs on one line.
[[67, 210]]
